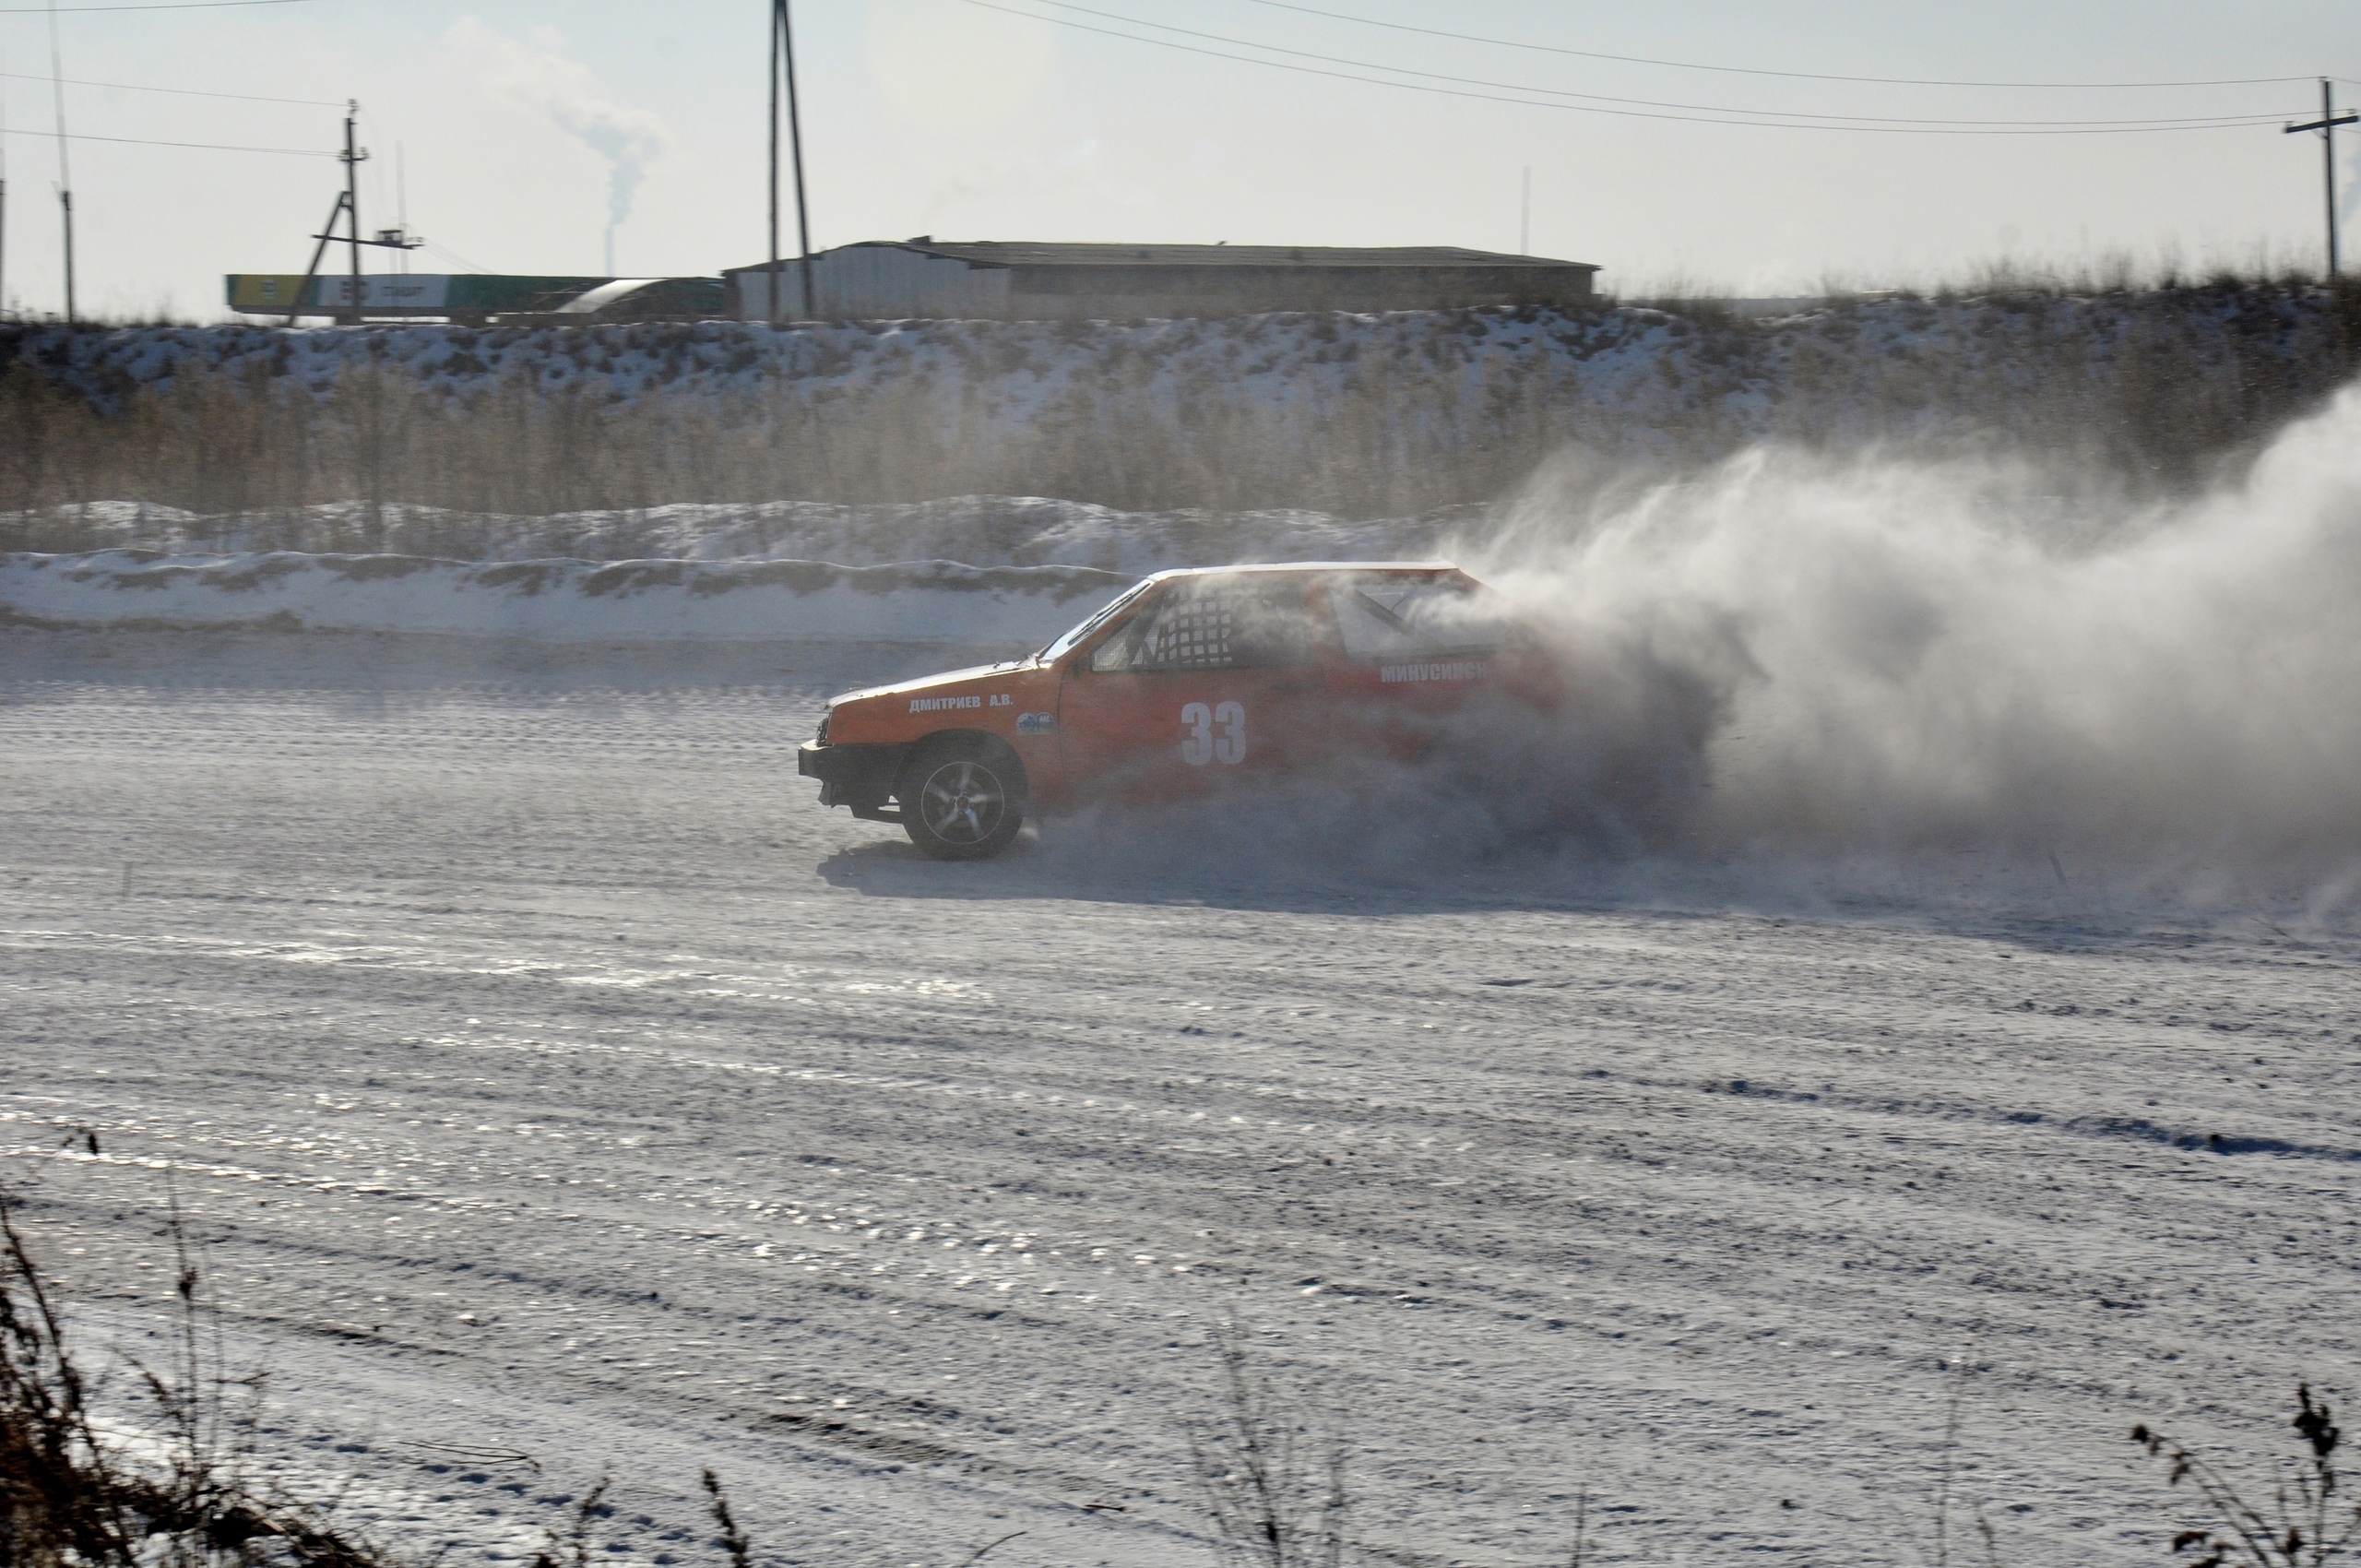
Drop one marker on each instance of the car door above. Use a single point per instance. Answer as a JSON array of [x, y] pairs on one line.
[[1413, 649], [1213, 681]]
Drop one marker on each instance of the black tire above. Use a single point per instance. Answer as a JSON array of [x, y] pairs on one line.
[[963, 797]]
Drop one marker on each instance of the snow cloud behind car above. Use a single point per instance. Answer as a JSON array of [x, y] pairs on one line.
[[1905, 655]]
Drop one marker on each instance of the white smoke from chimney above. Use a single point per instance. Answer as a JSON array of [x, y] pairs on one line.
[[534, 72]]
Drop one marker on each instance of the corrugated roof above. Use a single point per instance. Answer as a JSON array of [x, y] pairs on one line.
[[1026, 253]]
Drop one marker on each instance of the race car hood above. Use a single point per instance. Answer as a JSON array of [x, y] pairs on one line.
[[924, 683], [1011, 699]]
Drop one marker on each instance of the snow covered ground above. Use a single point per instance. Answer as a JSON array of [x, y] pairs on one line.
[[559, 1091], [980, 530], [981, 570], [930, 602]]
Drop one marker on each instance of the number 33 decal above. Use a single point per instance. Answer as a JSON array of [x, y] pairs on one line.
[[1201, 745]]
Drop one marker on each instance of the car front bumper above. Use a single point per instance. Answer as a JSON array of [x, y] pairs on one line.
[[858, 777]]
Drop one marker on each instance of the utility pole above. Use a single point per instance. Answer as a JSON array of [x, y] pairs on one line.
[[326, 233], [1525, 216], [771, 310], [783, 62], [65, 170], [2329, 158], [348, 207], [795, 144], [4, 187], [352, 157]]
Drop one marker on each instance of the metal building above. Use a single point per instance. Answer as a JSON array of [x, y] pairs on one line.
[[890, 279]]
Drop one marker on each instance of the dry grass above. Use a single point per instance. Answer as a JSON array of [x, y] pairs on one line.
[[1270, 1466], [2306, 1522], [218, 446], [71, 1498]]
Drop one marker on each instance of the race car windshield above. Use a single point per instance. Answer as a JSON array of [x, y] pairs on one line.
[[1399, 618], [1065, 644], [1220, 623]]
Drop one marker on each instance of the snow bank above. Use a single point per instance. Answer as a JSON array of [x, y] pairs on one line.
[[929, 602], [986, 530]]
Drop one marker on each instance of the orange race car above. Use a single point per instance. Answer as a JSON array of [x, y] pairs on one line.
[[1190, 680]]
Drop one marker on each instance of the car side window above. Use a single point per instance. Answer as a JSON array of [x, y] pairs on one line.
[[1382, 618], [1223, 624]]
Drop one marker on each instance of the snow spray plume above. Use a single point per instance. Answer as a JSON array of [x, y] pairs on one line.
[[533, 74], [1907, 656]]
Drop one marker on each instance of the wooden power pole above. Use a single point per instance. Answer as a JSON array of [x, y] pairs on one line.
[[770, 310], [782, 57], [2325, 125], [348, 207], [352, 157], [4, 189], [65, 170]]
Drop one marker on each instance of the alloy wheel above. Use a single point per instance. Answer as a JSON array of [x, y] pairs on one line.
[[962, 802]]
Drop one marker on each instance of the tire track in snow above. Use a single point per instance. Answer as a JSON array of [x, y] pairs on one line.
[[509, 1027]]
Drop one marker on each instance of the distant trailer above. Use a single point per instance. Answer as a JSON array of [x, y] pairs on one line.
[[476, 298], [1007, 281], [632, 299]]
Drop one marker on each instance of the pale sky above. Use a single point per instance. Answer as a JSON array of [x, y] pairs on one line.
[[955, 119]]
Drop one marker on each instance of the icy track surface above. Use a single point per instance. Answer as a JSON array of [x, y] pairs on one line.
[[558, 1091]]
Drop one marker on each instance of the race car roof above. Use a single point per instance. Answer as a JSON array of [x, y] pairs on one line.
[[1309, 566]]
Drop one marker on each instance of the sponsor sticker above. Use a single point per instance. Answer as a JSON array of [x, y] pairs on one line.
[[1442, 670], [937, 704], [1035, 723]]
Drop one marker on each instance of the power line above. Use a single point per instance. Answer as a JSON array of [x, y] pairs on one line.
[[1715, 117], [184, 92], [205, 146], [1753, 70], [184, 6], [2174, 122], [455, 256]]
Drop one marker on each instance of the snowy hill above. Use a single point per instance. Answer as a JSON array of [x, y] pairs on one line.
[[1641, 360], [394, 476], [1382, 415]]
